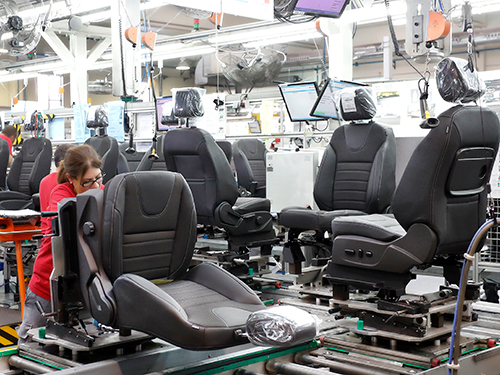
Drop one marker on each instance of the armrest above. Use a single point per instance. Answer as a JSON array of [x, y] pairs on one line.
[[245, 205], [253, 187], [36, 201]]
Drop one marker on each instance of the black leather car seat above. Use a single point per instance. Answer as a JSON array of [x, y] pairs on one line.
[[131, 155], [227, 148], [28, 168], [438, 205], [152, 163], [194, 153], [143, 227], [356, 176], [4, 163], [105, 146], [249, 157]]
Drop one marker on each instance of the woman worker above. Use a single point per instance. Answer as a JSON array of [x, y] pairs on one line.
[[77, 173]]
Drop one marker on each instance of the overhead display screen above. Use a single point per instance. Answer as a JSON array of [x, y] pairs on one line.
[[299, 99], [325, 106], [323, 8]]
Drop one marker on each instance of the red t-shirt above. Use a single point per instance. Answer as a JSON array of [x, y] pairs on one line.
[[48, 183], [39, 283], [3, 136]]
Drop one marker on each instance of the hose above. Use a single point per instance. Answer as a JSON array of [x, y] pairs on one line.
[[453, 365]]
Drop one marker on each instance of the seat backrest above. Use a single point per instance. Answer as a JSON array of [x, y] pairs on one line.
[[4, 162], [154, 164], [30, 165], [107, 148], [194, 153], [122, 165], [143, 223], [444, 183], [227, 148], [249, 157], [133, 158], [149, 226], [358, 169]]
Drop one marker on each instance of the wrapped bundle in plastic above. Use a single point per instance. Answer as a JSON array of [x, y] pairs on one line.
[[281, 326], [188, 102], [167, 114], [97, 117], [357, 104], [456, 82]]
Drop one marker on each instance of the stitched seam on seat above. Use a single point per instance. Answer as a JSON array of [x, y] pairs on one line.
[[364, 143], [141, 207], [440, 163], [373, 226]]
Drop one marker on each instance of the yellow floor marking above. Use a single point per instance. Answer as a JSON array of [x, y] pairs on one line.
[[11, 331]]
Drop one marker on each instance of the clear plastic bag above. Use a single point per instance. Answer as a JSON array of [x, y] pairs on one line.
[[188, 102], [97, 117], [356, 103], [281, 326], [456, 82]]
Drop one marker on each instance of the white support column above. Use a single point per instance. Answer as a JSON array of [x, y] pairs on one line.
[[78, 75], [126, 62], [340, 48], [388, 53]]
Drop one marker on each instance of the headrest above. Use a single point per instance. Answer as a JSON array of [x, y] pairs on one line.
[[185, 141], [456, 82], [357, 104], [97, 117]]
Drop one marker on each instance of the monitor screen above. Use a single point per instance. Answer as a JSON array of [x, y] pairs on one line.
[[299, 99], [325, 106], [323, 8], [165, 117]]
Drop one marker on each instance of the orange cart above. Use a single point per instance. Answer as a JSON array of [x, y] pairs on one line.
[[17, 226]]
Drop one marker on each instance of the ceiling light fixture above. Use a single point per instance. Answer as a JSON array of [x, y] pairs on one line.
[[183, 65]]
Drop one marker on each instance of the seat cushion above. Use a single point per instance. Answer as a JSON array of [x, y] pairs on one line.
[[376, 226], [200, 312], [306, 219]]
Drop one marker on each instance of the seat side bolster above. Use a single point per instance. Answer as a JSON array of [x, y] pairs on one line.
[[133, 285], [397, 256], [242, 166], [222, 282]]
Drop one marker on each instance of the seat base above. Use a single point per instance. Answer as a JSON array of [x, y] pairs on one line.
[[101, 338], [367, 279], [414, 318]]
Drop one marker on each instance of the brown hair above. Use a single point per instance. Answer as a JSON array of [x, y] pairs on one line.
[[10, 131], [77, 162], [60, 153]]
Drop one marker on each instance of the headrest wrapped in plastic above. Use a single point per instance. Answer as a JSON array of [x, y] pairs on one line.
[[281, 326], [188, 103], [456, 82], [357, 104], [97, 117]]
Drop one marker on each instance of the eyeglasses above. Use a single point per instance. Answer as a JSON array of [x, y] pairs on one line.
[[98, 180]]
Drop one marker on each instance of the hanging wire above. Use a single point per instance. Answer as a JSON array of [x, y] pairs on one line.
[[168, 23], [128, 16]]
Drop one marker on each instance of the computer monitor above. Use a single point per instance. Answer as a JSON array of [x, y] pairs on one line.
[[321, 8], [299, 99], [325, 106], [165, 107]]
